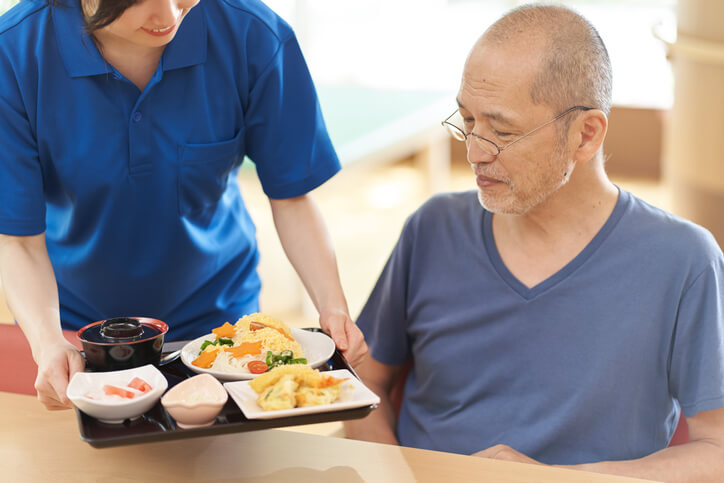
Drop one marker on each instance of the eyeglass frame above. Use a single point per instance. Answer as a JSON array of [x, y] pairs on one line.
[[453, 129]]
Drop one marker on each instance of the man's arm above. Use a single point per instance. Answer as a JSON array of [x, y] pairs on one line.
[[32, 296], [701, 460], [304, 238], [379, 425]]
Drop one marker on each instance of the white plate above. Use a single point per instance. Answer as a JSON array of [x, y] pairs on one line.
[[116, 410], [318, 348], [354, 394]]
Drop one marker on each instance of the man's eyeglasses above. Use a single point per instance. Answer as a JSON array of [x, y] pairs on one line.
[[486, 144]]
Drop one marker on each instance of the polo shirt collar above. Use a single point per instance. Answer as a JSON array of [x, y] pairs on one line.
[[188, 47], [77, 49], [82, 58]]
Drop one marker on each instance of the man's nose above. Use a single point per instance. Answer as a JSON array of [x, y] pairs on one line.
[[477, 154]]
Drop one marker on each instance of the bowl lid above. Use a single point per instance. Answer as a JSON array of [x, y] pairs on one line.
[[122, 330]]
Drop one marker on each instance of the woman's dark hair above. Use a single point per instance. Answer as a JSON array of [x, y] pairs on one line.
[[107, 12]]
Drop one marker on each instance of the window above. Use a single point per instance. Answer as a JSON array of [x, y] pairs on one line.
[[422, 44]]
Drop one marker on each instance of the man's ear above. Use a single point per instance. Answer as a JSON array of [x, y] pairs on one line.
[[589, 131]]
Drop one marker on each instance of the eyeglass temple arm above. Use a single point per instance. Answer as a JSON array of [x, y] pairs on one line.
[[545, 124]]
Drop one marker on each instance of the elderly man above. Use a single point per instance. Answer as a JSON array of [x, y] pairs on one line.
[[549, 317]]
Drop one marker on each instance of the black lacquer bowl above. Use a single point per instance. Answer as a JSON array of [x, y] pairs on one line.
[[122, 343]]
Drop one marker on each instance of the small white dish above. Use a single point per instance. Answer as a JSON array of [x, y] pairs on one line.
[[354, 394], [196, 401], [84, 388], [318, 348]]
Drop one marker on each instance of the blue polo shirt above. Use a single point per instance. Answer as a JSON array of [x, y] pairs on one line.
[[136, 191]]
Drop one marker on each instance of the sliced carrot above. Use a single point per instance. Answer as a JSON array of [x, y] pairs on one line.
[[117, 391], [285, 334], [205, 359], [226, 330], [140, 384], [254, 325], [251, 348]]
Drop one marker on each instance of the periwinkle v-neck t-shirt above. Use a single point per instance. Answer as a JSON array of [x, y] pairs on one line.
[[594, 363]]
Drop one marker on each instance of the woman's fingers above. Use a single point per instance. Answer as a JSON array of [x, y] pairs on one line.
[[357, 350], [346, 336], [54, 373]]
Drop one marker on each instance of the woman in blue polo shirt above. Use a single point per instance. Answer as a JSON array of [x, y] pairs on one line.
[[123, 126]]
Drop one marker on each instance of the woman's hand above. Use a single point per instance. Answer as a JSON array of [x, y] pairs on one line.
[[345, 334], [304, 239], [56, 366], [32, 296]]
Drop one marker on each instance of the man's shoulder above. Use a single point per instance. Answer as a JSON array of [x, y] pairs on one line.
[[445, 213], [25, 11], [661, 228], [453, 202]]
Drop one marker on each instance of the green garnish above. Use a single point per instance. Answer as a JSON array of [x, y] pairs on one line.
[[221, 341], [283, 358]]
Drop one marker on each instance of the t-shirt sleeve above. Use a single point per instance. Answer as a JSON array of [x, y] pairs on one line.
[[22, 204], [286, 135], [697, 361], [384, 318]]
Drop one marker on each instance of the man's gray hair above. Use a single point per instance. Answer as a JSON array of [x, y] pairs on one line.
[[575, 68]]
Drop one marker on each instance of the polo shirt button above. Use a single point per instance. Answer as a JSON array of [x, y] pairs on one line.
[[137, 116]]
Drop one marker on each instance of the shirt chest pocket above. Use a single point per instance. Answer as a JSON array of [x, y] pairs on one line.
[[204, 171]]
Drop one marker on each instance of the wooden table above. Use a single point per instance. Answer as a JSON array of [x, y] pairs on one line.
[[39, 445]]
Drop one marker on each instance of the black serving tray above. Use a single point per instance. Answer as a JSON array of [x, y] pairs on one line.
[[157, 425]]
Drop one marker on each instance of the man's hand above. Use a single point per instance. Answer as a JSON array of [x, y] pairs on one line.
[[56, 366], [345, 334], [506, 453]]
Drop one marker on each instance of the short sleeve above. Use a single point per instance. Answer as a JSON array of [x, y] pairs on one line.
[[697, 360], [384, 318], [286, 135], [22, 203]]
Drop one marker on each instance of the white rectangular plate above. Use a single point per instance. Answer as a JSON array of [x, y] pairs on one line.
[[354, 395]]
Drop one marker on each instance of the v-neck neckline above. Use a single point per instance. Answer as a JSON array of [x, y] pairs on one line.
[[530, 293]]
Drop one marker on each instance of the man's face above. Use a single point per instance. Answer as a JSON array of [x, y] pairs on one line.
[[495, 103]]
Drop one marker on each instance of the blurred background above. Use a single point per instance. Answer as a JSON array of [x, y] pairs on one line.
[[387, 72]]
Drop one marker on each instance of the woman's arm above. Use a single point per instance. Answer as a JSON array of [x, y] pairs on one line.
[[379, 425], [32, 296], [304, 238]]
